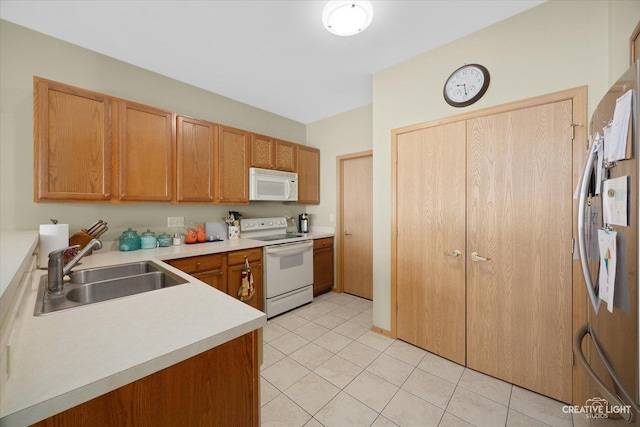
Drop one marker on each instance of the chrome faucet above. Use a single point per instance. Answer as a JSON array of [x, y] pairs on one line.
[[57, 269]]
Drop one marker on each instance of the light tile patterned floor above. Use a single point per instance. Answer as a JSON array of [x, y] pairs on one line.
[[324, 367]]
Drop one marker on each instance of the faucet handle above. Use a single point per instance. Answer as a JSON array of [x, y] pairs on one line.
[[57, 254]]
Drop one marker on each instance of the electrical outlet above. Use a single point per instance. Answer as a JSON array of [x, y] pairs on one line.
[[175, 221]]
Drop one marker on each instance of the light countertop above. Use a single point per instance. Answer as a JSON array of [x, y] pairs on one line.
[[69, 357], [66, 358]]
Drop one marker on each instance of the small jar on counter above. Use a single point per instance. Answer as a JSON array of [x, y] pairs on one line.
[[129, 241], [164, 240], [148, 240], [177, 239]]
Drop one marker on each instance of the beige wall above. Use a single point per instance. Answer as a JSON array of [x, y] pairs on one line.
[[345, 133], [25, 53], [555, 46]]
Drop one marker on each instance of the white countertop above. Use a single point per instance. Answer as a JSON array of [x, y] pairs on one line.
[[68, 357], [15, 247]]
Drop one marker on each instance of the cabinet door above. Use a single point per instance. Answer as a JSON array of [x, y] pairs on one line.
[[195, 160], [72, 143], [285, 156], [519, 216], [308, 175], [431, 209], [146, 146], [322, 266], [211, 269], [262, 152], [233, 165], [235, 262], [215, 278]]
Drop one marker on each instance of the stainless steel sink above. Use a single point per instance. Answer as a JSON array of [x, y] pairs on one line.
[[113, 272], [104, 283]]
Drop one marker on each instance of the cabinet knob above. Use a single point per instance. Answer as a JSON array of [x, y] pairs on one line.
[[347, 234], [455, 254]]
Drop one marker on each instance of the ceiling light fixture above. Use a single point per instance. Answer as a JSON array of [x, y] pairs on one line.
[[346, 18]]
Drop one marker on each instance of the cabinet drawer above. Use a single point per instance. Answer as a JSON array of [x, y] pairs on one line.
[[237, 257], [198, 263], [327, 242]]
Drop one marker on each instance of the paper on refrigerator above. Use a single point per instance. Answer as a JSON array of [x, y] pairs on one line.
[[616, 135], [608, 262], [615, 201]]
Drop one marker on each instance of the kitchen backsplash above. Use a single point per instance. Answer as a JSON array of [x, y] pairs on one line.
[[153, 216]]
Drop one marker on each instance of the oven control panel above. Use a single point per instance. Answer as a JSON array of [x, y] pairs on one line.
[[256, 224]]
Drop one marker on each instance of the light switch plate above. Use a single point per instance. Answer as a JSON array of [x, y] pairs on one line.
[[175, 221]]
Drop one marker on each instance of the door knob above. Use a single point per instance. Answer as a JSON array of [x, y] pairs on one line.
[[477, 258], [455, 254], [347, 234]]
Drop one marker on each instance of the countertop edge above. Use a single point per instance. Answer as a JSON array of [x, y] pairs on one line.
[[45, 408], [50, 407]]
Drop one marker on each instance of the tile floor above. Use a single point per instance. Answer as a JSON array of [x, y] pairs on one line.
[[324, 367]]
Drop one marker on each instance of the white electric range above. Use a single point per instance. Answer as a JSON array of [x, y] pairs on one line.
[[288, 263]]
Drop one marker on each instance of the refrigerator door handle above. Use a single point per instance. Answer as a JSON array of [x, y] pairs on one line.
[[582, 249], [608, 394]]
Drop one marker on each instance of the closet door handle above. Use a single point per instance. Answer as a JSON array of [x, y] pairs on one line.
[[477, 258], [455, 254]]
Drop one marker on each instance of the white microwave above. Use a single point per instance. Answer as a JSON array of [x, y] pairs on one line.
[[273, 186]]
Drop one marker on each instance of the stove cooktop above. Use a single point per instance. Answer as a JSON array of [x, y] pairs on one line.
[[272, 231]]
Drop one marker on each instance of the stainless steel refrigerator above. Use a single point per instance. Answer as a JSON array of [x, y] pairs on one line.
[[607, 346]]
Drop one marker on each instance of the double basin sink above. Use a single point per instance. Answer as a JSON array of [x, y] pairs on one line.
[[104, 283]]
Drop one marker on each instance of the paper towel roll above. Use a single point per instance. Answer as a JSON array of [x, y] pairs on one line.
[[52, 238]]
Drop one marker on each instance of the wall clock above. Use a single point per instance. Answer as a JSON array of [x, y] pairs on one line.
[[466, 85]]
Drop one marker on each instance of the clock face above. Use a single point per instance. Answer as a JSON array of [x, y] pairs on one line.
[[466, 85]]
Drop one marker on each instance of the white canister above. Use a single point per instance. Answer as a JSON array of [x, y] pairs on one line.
[[177, 239]]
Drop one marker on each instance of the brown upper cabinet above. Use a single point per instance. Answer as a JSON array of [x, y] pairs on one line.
[[308, 159], [72, 143], [233, 165], [195, 160], [263, 152], [90, 147], [146, 141], [271, 153], [286, 156]]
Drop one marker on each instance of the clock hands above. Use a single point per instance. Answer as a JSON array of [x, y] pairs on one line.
[[464, 86]]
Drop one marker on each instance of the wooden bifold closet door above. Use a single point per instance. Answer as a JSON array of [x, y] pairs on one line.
[[519, 214], [431, 223], [498, 186]]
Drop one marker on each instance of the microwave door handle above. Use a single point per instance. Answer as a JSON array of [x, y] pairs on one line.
[[287, 189]]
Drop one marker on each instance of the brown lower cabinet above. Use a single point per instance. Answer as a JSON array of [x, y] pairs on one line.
[[235, 264], [219, 387], [224, 271], [211, 269], [322, 265]]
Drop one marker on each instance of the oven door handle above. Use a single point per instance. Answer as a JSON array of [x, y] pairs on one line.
[[287, 250]]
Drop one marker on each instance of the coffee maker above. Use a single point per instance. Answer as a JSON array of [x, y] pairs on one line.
[[303, 223]]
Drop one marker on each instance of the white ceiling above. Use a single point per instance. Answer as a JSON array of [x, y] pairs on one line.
[[274, 55]]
